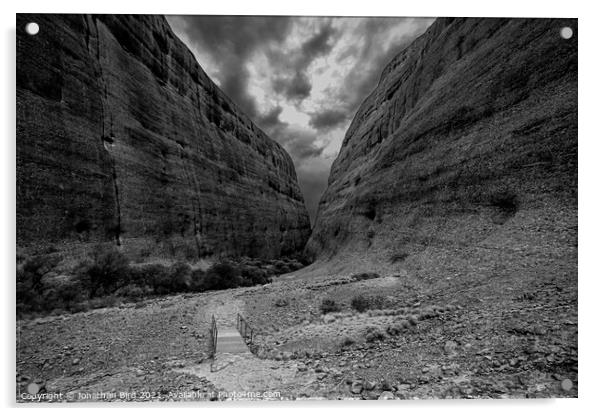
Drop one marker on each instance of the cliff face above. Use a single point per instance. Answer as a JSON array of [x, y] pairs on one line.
[[122, 137], [469, 140]]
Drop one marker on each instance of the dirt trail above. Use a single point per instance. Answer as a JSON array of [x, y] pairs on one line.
[[244, 376], [224, 306]]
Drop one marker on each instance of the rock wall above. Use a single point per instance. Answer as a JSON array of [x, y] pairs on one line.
[[469, 140], [122, 137]]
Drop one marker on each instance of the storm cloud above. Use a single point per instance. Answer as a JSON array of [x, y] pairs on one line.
[[301, 79], [230, 41], [328, 119]]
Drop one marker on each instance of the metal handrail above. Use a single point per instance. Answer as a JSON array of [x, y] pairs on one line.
[[213, 337], [245, 330]]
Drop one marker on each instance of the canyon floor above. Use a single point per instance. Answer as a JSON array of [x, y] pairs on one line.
[[495, 338]]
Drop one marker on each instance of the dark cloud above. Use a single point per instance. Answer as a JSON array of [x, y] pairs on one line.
[[299, 143], [304, 150], [295, 89], [372, 57], [328, 119], [318, 45], [295, 84], [231, 41], [363, 48], [270, 119]]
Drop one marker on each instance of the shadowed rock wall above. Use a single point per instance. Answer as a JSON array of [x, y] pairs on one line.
[[122, 137], [469, 140]]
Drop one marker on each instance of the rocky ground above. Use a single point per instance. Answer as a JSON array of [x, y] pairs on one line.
[[503, 338], [134, 348]]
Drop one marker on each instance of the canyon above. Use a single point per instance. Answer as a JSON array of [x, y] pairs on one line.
[[445, 246]]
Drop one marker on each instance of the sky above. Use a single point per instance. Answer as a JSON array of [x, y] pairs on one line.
[[300, 79]]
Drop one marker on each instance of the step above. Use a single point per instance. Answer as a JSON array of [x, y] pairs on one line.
[[229, 341]]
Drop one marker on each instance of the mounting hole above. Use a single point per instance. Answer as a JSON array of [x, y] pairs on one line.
[[32, 28], [566, 32]]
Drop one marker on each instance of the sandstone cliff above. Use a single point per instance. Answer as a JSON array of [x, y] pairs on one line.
[[466, 150], [122, 137]]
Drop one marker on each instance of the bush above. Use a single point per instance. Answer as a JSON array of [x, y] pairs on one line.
[[329, 305], [222, 276], [148, 275], [347, 341], [253, 275], [505, 200], [29, 287], [364, 276], [180, 277], [109, 270], [360, 303], [280, 267], [32, 270], [374, 334], [133, 292], [394, 330], [198, 282]]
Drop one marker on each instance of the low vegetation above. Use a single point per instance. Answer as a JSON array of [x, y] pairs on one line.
[[108, 278], [364, 276], [362, 303], [374, 334], [329, 305]]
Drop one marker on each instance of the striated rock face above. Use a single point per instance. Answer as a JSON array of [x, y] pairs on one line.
[[122, 137], [469, 140]]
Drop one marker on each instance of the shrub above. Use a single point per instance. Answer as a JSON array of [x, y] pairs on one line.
[[329, 305], [35, 268], [394, 329], [295, 265], [505, 200], [364, 276], [198, 282], [280, 267], [374, 334], [360, 303], [108, 270], [71, 293], [222, 276], [148, 275], [29, 287], [253, 275], [180, 276], [133, 292], [399, 327], [347, 341]]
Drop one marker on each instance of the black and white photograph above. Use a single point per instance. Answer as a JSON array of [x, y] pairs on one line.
[[217, 208]]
